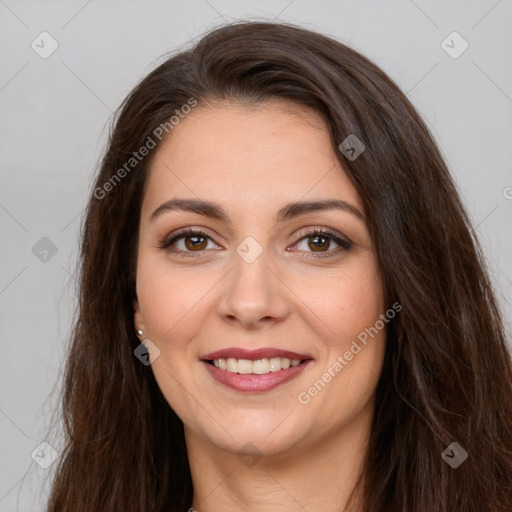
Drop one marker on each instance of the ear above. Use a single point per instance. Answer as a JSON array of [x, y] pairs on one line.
[[138, 321]]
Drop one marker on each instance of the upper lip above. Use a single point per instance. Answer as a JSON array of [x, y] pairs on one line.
[[253, 355]]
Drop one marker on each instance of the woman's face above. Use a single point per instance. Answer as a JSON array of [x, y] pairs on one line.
[[259, 287]]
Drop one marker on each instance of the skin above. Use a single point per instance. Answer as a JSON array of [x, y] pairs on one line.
[[252, 160]]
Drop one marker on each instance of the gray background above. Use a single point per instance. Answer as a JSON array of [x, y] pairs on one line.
[[54, 121]]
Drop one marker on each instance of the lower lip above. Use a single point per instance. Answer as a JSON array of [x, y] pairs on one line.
[[254, 382]]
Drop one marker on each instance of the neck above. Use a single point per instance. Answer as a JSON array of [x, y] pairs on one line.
[[319, 475]]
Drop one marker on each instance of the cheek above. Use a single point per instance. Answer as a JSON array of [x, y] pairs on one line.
[[169, 298], [347, 301], [353, 350]]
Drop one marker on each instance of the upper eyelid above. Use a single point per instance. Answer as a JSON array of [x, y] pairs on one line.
[[190, 230]]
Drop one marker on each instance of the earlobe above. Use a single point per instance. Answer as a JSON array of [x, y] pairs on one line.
[[137, 317]]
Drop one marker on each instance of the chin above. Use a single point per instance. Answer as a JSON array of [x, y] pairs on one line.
[[255, 431]]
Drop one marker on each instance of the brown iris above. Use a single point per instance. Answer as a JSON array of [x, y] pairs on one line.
[[196, 242], [318, 248]]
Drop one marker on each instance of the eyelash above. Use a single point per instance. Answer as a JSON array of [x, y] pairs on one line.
[[344, 244]]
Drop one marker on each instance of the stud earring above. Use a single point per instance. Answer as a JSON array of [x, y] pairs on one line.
[[139, 332]]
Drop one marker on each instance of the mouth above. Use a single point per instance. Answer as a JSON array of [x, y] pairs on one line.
[[256, 370], [257, 362]]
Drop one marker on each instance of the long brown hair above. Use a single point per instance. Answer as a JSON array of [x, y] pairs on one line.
[[447, 374]]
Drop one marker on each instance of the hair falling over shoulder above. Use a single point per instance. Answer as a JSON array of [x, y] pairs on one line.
[[447, 374]]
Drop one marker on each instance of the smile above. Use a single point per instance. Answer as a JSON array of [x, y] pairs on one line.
[[254, 370]]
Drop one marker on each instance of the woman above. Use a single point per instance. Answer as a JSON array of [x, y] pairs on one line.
[[282, 304]]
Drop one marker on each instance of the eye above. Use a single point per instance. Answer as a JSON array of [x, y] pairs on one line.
[[316, 243], [193, 241], [319, 241]]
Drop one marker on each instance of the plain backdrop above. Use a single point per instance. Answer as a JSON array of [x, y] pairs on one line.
[[54, 122]]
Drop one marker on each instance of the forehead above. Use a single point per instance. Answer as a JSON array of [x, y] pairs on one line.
[[250, 156]]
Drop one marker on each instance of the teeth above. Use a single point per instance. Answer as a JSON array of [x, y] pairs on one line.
[[244, 366], [231, 365], [258, 367], [275, 364]]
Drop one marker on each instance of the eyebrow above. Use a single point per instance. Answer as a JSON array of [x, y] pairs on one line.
[[287, 212]]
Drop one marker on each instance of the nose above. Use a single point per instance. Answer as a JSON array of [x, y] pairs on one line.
[[253, 294]]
